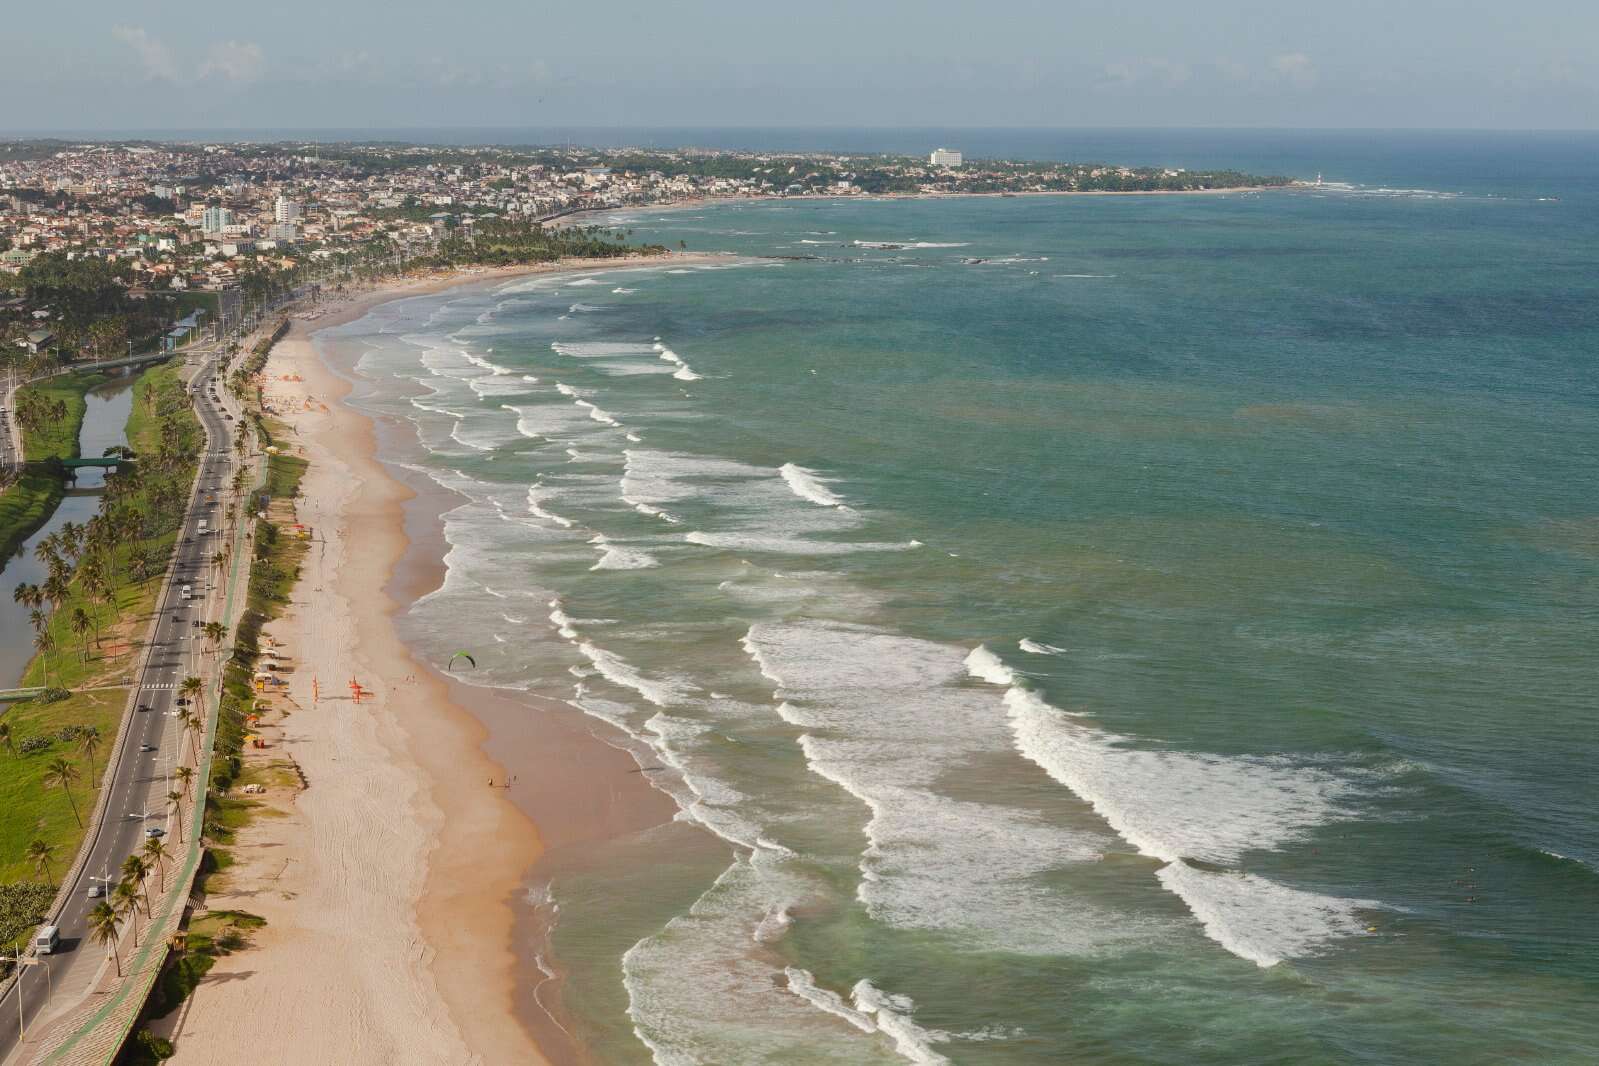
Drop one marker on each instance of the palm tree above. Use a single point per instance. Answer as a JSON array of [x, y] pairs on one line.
[[28, 595], [40, 853], [44, 643], [136, 872], [57, 587], [103, 927], [185, 776], [89, 744], [81, 624], [215, 631], [45, 550], [175, 805], [156, 852], [191, 729], [61, 774], [125, 898]]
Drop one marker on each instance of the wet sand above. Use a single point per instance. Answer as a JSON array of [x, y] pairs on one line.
[[396, 886]]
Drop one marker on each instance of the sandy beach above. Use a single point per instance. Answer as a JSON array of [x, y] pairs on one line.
[[390, 880]]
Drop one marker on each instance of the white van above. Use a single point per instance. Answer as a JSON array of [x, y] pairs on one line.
[[188, 592], [202, 527], [47, 941]]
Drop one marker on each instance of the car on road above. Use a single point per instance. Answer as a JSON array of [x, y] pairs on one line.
[[147, 747], [143, 707], [155, 831], [183, 701]]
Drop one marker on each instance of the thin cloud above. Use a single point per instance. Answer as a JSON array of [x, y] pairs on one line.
[[240, 62], [1295, 68], [1161, 72], [235, 62], [154, 55]]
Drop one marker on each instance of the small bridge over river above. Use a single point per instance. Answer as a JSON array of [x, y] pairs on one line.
[[109, 462]]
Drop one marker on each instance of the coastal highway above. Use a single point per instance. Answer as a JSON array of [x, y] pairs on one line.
[[153, 743], [10, 432]]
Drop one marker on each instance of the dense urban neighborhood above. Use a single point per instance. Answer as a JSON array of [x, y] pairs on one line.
[[103, 245]]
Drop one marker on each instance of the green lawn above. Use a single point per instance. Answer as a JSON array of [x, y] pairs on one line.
[[31, 811], [32, 499], [158, 388], [27, 809]]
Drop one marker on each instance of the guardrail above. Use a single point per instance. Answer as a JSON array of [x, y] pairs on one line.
[[144, 967], [113, 763]]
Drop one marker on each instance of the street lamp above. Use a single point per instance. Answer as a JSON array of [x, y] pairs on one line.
[[19, 959]]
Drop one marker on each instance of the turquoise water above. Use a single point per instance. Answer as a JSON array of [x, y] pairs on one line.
[[1111, 630]]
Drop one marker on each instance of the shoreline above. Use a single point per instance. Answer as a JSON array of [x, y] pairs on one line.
[[692, 202], [481, 992]]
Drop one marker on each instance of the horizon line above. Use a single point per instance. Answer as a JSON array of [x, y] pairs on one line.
[[128, 133]]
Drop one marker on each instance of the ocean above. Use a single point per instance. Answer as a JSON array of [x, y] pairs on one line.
[[1099, 629]]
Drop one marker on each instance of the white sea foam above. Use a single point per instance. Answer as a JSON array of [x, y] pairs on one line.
[[808, 485], [624, 292], [615, 557], [1181, 805], [803, 984], [1260, 920], [704, 990], [885, 717], [893, 1016], [986, 666], [585, 281], [618, 671], [599, 349], [756, 542], [536, 494], [485, 364], [911, 244], [497, 386], [684, 373], [596, 414], [1034, 647], [550, 421], [1171, 804], [561, 620]]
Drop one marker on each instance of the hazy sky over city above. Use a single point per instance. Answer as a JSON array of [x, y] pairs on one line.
[[172, 64]]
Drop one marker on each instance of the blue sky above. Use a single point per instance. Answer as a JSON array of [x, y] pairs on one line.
[[174, 64]]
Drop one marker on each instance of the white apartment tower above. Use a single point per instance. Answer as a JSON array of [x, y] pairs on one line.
[[945, 157], [286, 210], [216, 219]]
